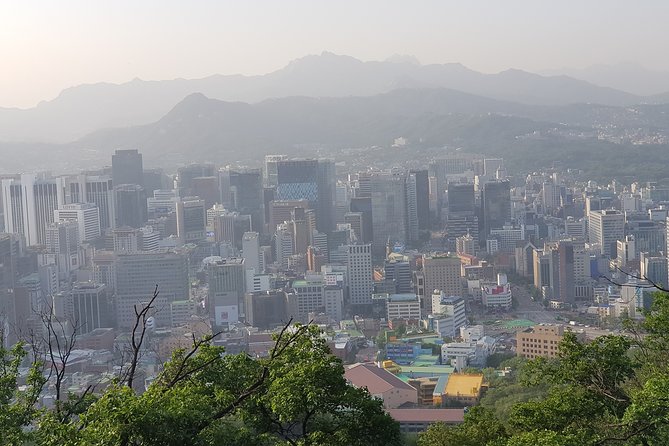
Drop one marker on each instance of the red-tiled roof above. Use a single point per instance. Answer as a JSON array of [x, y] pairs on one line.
[[427, 415]]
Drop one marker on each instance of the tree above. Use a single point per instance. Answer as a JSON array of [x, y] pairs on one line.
[[17, 407], [296, 396], [480, 427], [613, 390]]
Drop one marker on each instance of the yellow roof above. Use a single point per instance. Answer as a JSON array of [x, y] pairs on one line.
[[464, 385]]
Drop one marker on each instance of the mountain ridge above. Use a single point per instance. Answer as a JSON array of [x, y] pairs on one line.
[[80, 110]]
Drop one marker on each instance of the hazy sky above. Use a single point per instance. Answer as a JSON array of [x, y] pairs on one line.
[[46, 46]]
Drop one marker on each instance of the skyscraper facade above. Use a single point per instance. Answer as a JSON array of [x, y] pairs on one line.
[[495, 205], [136, 276], [605, 228], [87, 216], [360, 274], [29, 204], [127, 167], [389, 210], [130, 205]]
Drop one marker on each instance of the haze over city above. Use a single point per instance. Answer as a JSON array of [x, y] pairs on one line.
[[46, 47], [300, 223]]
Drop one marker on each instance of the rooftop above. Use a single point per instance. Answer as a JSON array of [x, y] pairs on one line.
[[464, 385], [403, 297], [427, 415], [375, 379]]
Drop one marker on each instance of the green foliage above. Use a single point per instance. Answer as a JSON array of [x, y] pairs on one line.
[[17, 407], [613, 390], [479, 428], [495, 360], [297, 396]]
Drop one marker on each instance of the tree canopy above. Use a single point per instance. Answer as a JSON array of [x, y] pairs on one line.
[[295, 396], [613, 390]]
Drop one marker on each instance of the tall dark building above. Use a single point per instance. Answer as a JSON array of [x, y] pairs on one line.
[[156, 179], [130, 205], [461, 218], [312, 180], [566, 291], [186, 175], [326, 196], [268, 194], [422, 198], [400, 273], [364, 206], [246, 195], [127, 167], [460, 197], [495, 206]]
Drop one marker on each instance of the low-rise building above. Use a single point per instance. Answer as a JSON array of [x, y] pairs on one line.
[[465, 389], [497, 295], [403, 307], [542, 341], [418, 420], [382, 384], [464, 354]]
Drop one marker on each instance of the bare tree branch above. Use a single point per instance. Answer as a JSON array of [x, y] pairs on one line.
[[141, 316], [650, 284]]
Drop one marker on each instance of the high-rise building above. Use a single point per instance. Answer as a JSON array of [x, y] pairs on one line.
[[127, 167], [605, 228], [136, 276], [91, 307], [542, 269], [307, 297], [654, 269], [186, 176], [283, 210], [460, 198], [270, 172], [266, 309], [230, 227], [206, 188], [283, 244], [245, 195], [389, 210], [495, 206], [649, 236], [440, 272], [326, 195], [360, 274], [29, 204], [155, 179], [87, 216], [567, 291], [130, 205], [191, 219], [95, 189], [399, 271], [62, 242], [412, 226], [422, 198], [311, 180], [251, 252], [163, 202], [363, 206], [225, 298]]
